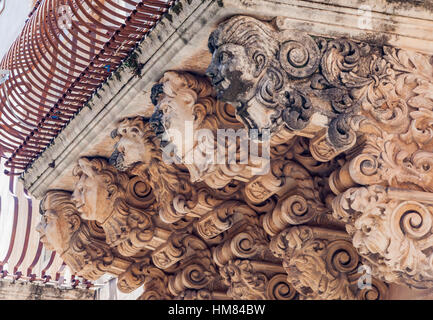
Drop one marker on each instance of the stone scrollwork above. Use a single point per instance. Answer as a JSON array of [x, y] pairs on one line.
[[62, 230], [186, 111], [259, 66], [392, 229], [322, 264], [138, 149], [370, 105], [144, 273], [100, 195], [299, 201], [294, 84], [348, 187], [245, 283], [247, 280], [386, 160], [223, 218]]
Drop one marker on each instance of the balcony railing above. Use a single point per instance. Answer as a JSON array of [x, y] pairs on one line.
[[65, 52]]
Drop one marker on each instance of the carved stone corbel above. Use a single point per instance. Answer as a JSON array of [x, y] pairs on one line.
[[280, 79], [257, 280], [385, 159], [392, 229], [196, 274], [144, 273], [101, 195], [138, 150], [299, 200], [185, 109], [372, 105], [259, 67], [245, 240], [323, 264], [79, 243], [225, 216], [179, 247]]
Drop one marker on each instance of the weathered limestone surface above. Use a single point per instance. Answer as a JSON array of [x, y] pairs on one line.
[[348, 185], [30, 291], [181, 44]]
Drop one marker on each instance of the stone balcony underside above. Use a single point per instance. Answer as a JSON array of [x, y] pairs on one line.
[[349, 188]]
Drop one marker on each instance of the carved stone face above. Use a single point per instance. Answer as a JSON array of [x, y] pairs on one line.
[[234, 74], [92, 196], [57, 225], [178, 119], [243, 70], [132, 146], [184, 104]]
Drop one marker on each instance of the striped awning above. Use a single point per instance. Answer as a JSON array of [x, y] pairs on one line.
[[22, 256], [65, 52]]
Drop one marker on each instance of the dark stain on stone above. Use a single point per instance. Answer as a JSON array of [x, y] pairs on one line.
[[408, 4], [185, 41], [378, 40], [236, 87]]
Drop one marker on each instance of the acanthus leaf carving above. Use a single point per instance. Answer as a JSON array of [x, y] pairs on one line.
[[391, 229], [321, 263]]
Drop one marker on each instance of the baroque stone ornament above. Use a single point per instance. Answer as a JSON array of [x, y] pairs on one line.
[[138, 149], [348, 187], [249, 280], [392, 230], [318, 88], [366, 104], [144, 273], [323, 264], [195, 125], [62, 230], [255, 66], [100, 195]]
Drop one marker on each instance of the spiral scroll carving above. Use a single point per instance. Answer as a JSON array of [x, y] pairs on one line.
[[392, 234], [279, 288], [299, 56]]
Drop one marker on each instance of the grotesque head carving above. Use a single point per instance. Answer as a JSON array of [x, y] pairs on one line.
[[60, 220], [136, 143], [186, 104], [100, 195], [252, 62], [242, 48], [320, 262], [63, 231], [97, 189]]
